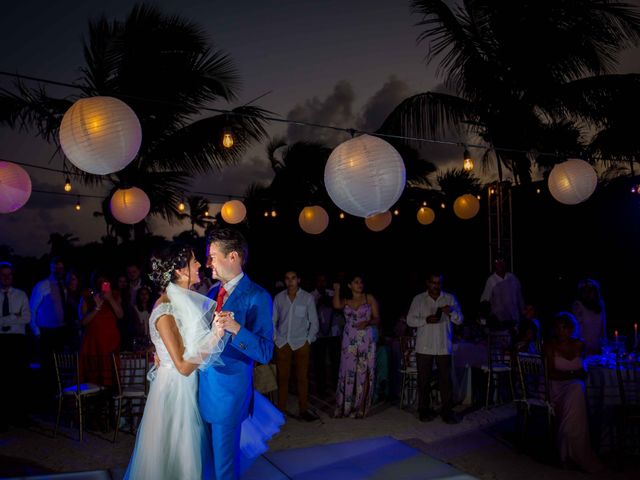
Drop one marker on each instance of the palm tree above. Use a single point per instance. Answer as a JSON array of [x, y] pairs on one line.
[[198, 212], [164, 68], [516, 69], [456, 181]]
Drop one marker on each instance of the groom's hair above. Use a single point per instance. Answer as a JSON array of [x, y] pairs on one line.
[[230, 240]]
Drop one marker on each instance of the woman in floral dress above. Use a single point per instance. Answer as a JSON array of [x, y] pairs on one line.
[[358, 358]]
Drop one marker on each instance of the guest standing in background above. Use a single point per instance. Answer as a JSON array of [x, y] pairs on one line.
[[99, 313], [503, 293], [140, 318], [589, 312], [564, 358], [13, 349], [433, 313], [295, 326], [358, 360], [47, 302], [71, 309]]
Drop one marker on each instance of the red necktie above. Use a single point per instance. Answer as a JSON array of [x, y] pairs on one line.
[[220, 299]]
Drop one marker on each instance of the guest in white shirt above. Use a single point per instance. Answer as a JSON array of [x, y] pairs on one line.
[[13, 346], [503, 292], [432, 314], [295, 322]]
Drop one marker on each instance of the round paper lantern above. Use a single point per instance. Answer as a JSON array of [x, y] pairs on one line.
[[15, 187], [233, 211], [466, 206], [364, 176], [313, 220], [378, 222], [426, 215], [573, 181], [129, 205], [100, 135]]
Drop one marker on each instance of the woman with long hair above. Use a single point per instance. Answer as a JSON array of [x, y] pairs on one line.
[[358, 359]]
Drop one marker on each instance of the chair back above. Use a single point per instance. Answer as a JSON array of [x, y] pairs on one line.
[[499, 348], [408, 352], [67, 369], [532, 373], [131, 371], [628, 376]]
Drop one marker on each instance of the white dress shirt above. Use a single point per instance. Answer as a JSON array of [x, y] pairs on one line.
[[505, 296], [19, 312], [433, 338], [47, 305], [295, 322]]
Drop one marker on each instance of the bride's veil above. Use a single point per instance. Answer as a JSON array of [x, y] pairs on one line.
[[194, 314]]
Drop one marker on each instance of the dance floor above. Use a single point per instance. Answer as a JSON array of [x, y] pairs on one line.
[[377, 458]]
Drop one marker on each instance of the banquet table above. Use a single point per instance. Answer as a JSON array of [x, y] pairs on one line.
[[467, 356]]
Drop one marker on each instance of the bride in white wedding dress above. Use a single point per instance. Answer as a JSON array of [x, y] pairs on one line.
[[172, 442]]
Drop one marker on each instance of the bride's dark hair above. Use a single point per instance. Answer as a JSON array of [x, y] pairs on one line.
[[165, 262]]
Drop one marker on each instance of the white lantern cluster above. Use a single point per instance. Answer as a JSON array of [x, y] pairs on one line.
[[233, 211], [313, 220], [15, 187], [572, 182], [466, 206], [129, 205], [378, 222], [100, 135], [364, 176]]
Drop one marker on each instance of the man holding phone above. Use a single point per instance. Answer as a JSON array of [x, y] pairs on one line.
[[432, 314]]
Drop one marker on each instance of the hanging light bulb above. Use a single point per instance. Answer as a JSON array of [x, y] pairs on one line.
[[181, 206], [266, 214], [442, 205], [538, 190], [468, 163], [342, 215], [67, 185], [227, 139], [77, 207], [424, 204], [274, 214], [478, 197], [396, 212], [206, 213]]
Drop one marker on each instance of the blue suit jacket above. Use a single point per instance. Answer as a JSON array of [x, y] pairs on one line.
[[225, 391]]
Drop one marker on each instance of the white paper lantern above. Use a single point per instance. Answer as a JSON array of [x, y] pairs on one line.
[[426, 215], [129, 205], [573, 181], [15, 187], [466, 206], [313, 220], [233, 211], [100, 135], [378, 222], [364, 176]]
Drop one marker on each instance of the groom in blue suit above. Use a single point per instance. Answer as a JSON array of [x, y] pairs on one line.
[[226, 391]]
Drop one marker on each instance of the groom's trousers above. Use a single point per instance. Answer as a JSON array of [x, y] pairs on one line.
[[226, 452]]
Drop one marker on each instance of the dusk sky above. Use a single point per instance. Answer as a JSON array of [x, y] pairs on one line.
[[341, 62]]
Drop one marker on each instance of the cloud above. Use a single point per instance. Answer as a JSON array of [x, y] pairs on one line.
[[335, 110], [382, 103]]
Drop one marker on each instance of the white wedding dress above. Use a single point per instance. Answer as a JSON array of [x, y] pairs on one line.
[[172, 441]]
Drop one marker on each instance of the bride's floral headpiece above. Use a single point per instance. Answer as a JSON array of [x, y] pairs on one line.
[[162, 270]]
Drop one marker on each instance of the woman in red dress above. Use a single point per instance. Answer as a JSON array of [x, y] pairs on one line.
[[99, 314]]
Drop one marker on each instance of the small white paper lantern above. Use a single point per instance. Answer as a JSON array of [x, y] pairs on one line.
[[572, 182], [466, 206], [313, 220], [130, 205], [233, 211], [15, 187], [100, 135], [364, 176], [426, 215], [378, 222]]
